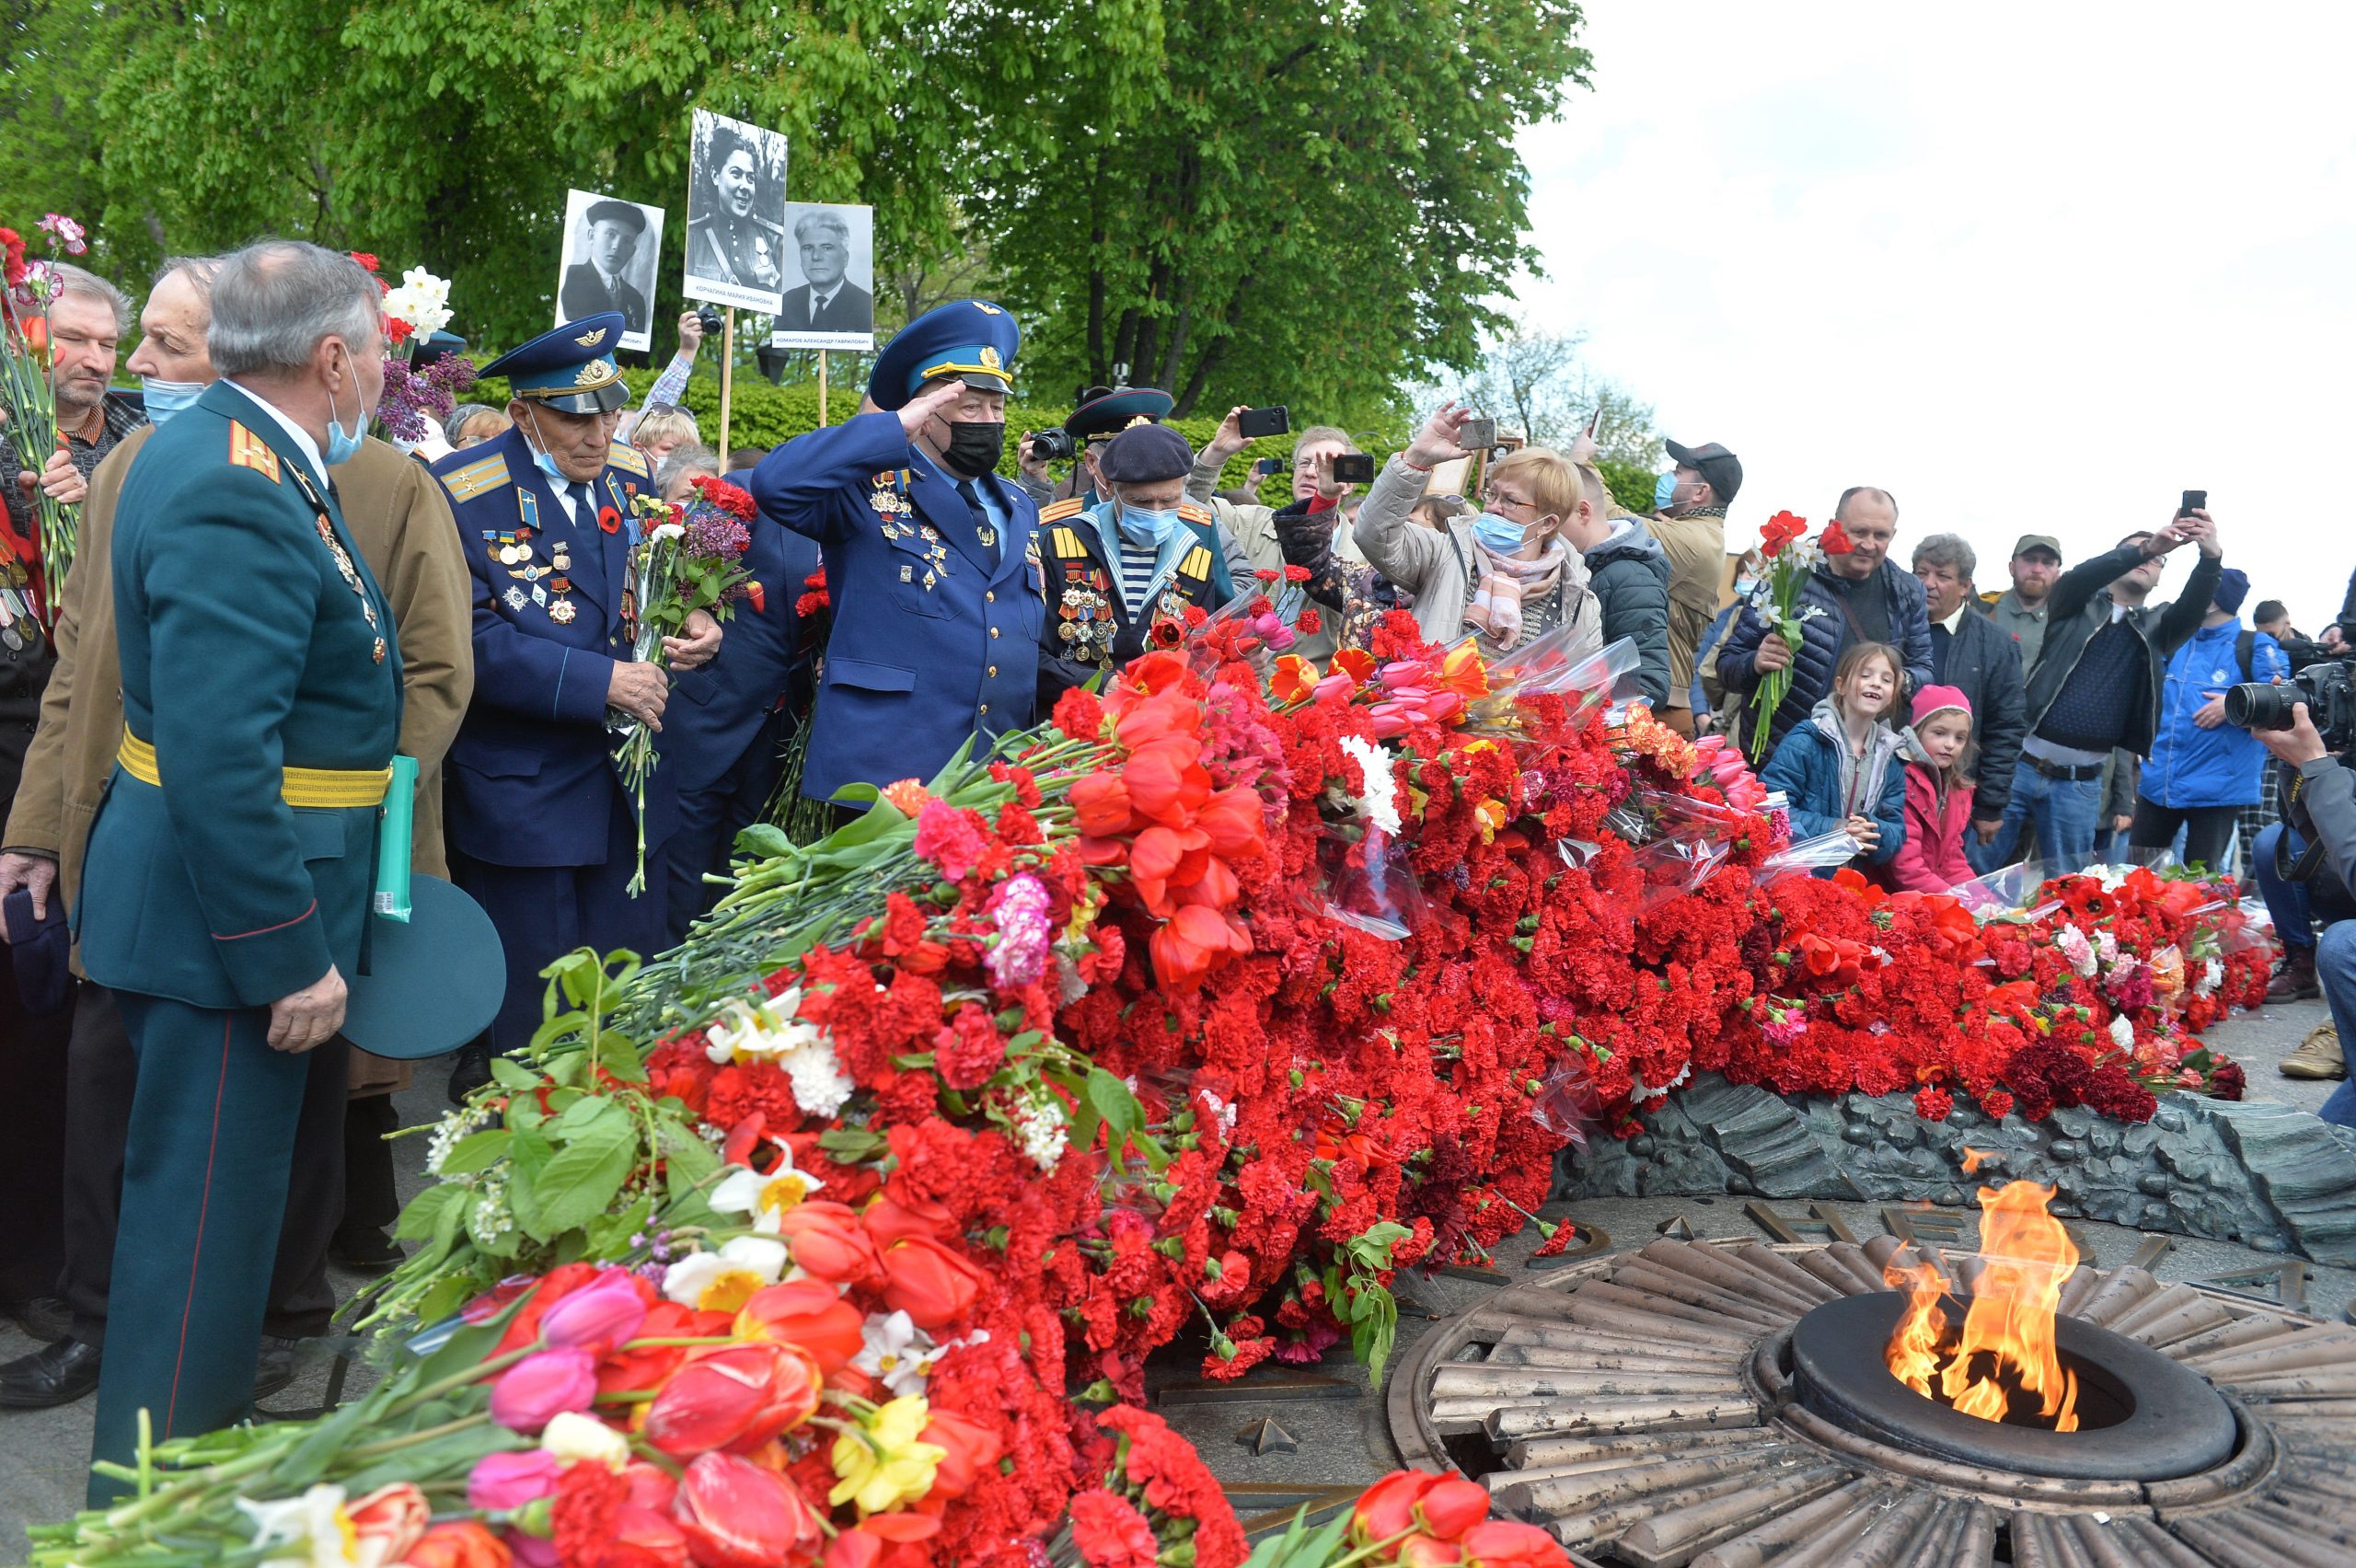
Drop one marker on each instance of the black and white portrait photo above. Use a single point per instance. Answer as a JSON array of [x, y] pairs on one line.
[[737, 242], [830, 278], [611, 248]]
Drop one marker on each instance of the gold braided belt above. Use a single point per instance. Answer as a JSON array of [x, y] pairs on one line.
[[329, 787]]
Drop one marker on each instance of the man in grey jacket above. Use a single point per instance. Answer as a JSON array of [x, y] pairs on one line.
[[2321, 807]]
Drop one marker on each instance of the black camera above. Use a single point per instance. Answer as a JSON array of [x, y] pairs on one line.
[[1053, 445], [709, 316], [2326, 688]]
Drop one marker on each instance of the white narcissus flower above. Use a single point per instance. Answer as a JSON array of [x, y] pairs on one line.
[[2123, 1032], [573, 1436], [768, 1199], [315, 1525], [422, 300], [725, 1280], [896, 1352]]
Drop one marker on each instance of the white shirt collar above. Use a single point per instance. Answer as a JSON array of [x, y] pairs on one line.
[[301, 437], [819, 298], [1957, 619]]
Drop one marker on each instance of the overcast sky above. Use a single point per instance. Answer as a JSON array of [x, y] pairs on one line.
[[2031, 269]]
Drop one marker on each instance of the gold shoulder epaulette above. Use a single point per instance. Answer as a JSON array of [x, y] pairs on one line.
[[1066, 544], [1197, 563], [1194, 514], [475, 478], [1070, 506], [248, 450], [627, 459]]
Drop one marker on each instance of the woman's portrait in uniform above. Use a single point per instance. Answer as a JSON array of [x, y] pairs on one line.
[[736, 235]]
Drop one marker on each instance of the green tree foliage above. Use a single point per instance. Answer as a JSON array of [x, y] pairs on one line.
[[1244, 199]]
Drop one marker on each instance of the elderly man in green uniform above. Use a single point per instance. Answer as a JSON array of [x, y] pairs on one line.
[[230, 870]]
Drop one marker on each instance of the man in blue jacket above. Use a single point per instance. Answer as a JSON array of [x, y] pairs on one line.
[[929, 558], [1858, 597], [2203, 771]]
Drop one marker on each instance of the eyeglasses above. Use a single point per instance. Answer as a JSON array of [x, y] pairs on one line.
[[1494, 497]]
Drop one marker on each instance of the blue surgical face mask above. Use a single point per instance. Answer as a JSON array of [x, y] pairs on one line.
[[165, 399], [1664, 491], [343, 444], [1144, 525], [1500, 533], [542, 461]]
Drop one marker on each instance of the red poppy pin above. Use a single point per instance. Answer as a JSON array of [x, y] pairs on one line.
[[609, 519]]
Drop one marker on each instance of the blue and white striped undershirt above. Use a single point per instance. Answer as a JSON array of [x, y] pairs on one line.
[[1137, 576]]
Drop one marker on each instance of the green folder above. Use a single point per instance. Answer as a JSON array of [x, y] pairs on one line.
[[393, 841]]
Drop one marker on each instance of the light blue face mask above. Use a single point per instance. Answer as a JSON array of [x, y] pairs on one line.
[[165, 399], [343, 444], [1664, 491], [543, 462], [1501, 534], [1143, 525]]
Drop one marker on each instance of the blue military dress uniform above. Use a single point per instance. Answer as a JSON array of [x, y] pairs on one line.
[[935, 606], [540, 830], [724, 731], [229, 866]]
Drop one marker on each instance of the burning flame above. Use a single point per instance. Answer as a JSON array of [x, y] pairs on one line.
[[2007, 1337]]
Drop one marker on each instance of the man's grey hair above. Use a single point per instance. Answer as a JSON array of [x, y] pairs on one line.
[[275, 301], [1949, 550], [818, 217], [685, 460], [200, 270], [82, 283]]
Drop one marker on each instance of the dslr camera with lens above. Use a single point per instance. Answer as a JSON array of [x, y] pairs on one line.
[[2325, 685], [707, 316], [1053, 445]]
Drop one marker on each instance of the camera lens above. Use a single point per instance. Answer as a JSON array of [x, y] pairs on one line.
[[2260, 707], [1053, 445]]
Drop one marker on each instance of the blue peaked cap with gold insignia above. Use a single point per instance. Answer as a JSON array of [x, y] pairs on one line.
[[571, 369], [970, 339]]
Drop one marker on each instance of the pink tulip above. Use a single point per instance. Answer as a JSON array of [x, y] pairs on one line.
[[1386, 724], [1334, 685], [1443, 707], [503, 1481], [1405, 672], [597, 1318], [538, 1388]]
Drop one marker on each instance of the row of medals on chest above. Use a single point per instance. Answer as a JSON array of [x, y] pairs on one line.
[[894, 512], [513, 551]]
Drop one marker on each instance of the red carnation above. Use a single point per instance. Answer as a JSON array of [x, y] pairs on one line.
[[1110, 1533], [1933, 1103]]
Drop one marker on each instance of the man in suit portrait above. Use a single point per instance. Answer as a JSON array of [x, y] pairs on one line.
[[829, 301], [596, 283]]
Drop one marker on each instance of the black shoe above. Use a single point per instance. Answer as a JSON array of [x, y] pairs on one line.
[[370, 1253], [275, 1367], [43, 1317], [472, 1071], [58, 1373]]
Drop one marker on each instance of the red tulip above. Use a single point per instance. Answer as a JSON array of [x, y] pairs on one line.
[[1453, 1506], [634, 1371], [734, 1397], [932, 1284], [651, 1486], [807, 1313], [886, 1540], [1167, 780], [736, 1515], [1387, 1507], [395, 1517], [1231, 820], [830, 1243], [1501, 1543], [1101, 805], [598, 1316], [465, 1544], [888, 1220], [644, 1539], [1195, 941], [539, 1387], [967, 1450]]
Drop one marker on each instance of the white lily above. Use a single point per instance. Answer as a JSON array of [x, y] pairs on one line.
[[725, 1280], [768, 1199], [315, 1524], [896, 1352]]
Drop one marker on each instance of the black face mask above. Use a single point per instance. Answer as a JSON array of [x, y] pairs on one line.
[[974, 449]]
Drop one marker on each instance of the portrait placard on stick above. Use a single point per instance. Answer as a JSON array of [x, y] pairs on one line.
[[737, 241], [830, 279], [610, 250]]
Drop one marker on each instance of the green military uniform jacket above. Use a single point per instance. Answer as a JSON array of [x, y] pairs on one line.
[[254, 639]]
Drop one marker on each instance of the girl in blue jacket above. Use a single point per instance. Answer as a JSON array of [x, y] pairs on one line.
[[1841, 767]]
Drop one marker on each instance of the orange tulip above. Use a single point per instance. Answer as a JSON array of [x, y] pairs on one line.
[[1295, 678], [828, 1242], [644, 1539], [394, 1516], [967, 1451], [1101, 805], [888, 1220], [932, 1284], [1195, 941], [808, 1313], [1231, 819], [733, 1397], [465, 1544], [1167, 780]]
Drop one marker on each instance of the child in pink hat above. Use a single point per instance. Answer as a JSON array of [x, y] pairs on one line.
[[1937, 748]]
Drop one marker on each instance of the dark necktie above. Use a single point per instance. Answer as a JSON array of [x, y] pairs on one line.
[[584, 510], [813, 307]]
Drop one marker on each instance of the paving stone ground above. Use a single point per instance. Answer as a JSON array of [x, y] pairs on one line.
[[43, 1453]]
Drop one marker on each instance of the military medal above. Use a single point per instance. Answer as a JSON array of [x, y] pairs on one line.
[[562, 612], [539, 595], [515, 598]]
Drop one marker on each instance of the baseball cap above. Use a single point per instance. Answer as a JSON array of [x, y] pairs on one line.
[[2045, 542], [1721, 468]]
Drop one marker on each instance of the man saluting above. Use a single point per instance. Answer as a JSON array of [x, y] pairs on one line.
[[229, 869]]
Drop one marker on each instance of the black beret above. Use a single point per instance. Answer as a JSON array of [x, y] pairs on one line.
[[1145, 453], [623, 212]]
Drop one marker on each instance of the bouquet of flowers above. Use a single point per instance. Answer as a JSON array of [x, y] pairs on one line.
[[1791, 555], [34, 563], [687, 559], [415, 311]]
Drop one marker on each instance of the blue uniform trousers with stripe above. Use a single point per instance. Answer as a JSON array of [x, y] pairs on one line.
[[205, 1173]]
